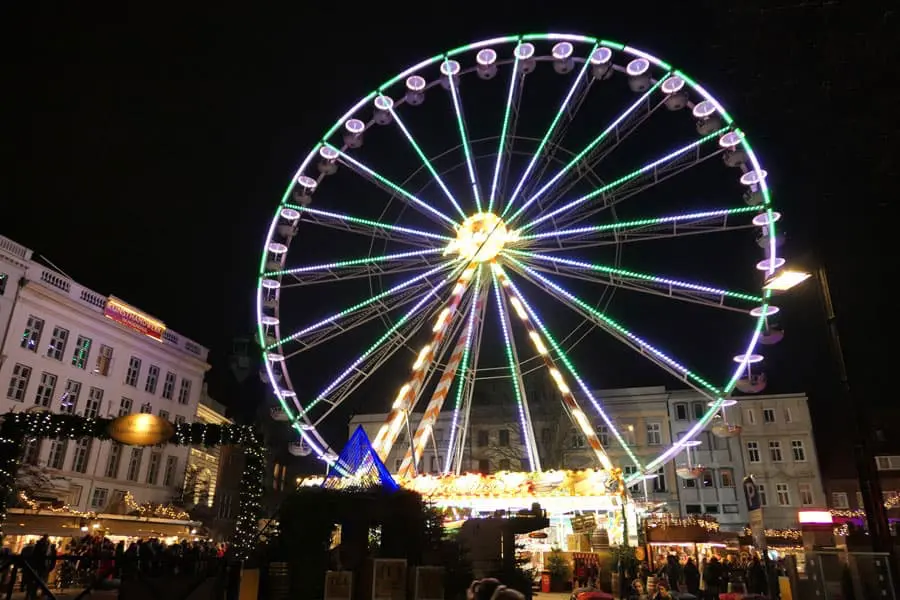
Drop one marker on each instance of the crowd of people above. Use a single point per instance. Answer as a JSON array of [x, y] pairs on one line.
[[97, 560], [707, 579]]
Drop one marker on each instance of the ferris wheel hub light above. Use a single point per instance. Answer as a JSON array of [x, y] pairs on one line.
[[481, 237]]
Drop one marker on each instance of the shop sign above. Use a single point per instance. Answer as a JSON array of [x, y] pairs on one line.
[[130, 317]]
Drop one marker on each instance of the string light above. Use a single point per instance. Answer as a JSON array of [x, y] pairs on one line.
[[17, 427]]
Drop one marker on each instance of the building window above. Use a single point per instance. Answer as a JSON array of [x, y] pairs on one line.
[[146, 408], [775, 451], [483, 439], [711, 509], [659, 482], [164, 414], [168, 385], [58, 341], [681, 411], [763, 496], [689, 484], [504, 464], [179, 419], [82, 452], [699, 410], [840, 500], [92, 408], [3, 279], [707, 479], [99, 497], [125, 406], [631, 470], [113, 460], [654, 434], [104, 360], [788, 417], [18, 383], [578, 440], [69, 401], [783, 493], [546, 436], [152, 379], [751, 417], [798, 450], [31, 452], [806, 494], [603, 434], [727, 477], [31, 337], [184, 395], [730, 509], [153, 468], [503, 437], [753, 452], [397, 464], [134, 464], [768, 415], [134, 371], [44, 394], [172, 466], [82, 351], [484, 466], [57, 454], [693, 509]]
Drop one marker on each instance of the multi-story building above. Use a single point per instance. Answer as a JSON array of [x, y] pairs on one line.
[[66, 348], [779, 452], [204, 464], [717, 491]]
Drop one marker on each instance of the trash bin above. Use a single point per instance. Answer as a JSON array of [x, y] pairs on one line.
[[545, 582]]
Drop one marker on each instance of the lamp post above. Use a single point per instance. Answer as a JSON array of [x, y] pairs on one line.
[[867, 473]]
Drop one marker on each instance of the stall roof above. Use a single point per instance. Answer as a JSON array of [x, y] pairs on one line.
[[31, 522]]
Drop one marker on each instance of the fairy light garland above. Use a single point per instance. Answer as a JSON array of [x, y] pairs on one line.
[[18, 427]]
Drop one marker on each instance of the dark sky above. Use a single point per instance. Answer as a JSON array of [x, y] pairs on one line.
[[149, 149]]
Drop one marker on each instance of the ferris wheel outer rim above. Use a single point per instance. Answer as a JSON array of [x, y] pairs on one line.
[[327, 454]]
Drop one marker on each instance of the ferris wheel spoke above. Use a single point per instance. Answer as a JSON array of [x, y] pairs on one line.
[[587, 150], [518, 385], [370, 228], [408, 288], [425, 161], [370, 266], [653, 171], [447, 69], [536, 322], [636, 343], [641, 282], [510, 120], [393, 189], [623, 232], [548, 144]]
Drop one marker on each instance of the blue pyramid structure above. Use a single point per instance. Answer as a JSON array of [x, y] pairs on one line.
[[358, 466]]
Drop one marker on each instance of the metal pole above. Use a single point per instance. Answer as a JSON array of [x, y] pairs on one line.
[[869, 484]]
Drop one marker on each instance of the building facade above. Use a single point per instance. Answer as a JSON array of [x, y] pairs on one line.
[[779, 452], [66, 348]]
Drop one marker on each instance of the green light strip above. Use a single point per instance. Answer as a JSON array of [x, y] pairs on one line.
[[456, 98], [621, 180], [686, 285], [514, 78], [587, 149]]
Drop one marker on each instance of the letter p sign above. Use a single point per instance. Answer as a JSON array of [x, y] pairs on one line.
[[751, 494]]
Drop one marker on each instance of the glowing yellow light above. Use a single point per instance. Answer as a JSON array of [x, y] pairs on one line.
[[518, 308], [423, 353], [401, 396], [440, 320], [481, 237], [538, 344]]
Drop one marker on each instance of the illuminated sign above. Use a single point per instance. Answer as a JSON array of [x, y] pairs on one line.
[[140, 430], [130, 317]]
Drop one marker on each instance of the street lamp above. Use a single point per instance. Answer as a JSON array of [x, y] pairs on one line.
[[870, 487]]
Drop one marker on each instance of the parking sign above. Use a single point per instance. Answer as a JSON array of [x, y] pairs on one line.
[[751, 494]]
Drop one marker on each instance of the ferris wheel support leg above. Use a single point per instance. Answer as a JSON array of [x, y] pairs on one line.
[[426, 424], [534, 458], [579, 420], [402, 406], [458, 433]]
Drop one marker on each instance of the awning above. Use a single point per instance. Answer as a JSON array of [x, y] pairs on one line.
[[30, 522]]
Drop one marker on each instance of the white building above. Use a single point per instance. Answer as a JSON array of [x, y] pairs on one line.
[[66, 348], [780, 453], [718, 491]]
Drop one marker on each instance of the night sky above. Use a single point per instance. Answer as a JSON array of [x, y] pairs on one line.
[[149, 149]]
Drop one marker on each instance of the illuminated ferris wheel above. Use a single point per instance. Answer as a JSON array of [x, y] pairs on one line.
[[470, 204]]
